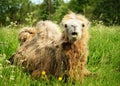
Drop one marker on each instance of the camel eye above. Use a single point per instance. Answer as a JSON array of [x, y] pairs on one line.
[[65, 25], [83, 25]]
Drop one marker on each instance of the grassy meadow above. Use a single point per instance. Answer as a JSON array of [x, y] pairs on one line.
[[104, 60]]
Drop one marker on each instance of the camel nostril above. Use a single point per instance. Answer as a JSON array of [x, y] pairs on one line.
[[74, 33]]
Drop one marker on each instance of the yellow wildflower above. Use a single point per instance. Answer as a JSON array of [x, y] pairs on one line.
[[60, 78], [43, 72]]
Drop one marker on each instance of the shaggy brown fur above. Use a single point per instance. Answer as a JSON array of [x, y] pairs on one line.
[[51, 31], [66, 58], [26, 34], [76, 47], [41, 53]]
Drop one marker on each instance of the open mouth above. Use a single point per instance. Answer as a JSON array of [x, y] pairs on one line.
[[74, 34]]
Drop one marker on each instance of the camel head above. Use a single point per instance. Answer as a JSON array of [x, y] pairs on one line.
[[74, 25]]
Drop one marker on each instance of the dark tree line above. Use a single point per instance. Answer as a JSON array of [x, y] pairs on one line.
[[107, 11], [14, 10]]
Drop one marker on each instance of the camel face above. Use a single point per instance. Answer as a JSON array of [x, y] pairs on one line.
[[73, 29]]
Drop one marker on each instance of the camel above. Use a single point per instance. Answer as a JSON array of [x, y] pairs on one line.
[[61, 54]]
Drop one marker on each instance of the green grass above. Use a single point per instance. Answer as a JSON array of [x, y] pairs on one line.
[[104, 60]]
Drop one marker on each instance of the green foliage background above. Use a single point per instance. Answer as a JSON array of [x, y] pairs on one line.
[[106, 11]]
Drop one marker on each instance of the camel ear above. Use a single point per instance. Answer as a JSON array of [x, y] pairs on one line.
[[62, 26], [88, 24]]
